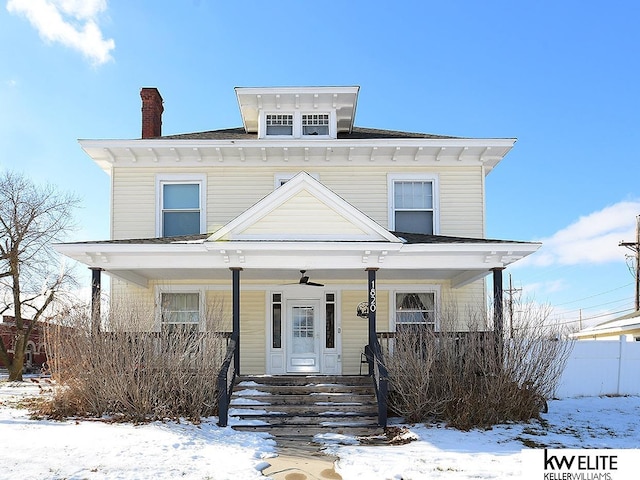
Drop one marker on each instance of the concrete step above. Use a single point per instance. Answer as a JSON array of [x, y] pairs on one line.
[[305, 379], [343, 399], [311, 409], [303, 389], [296, 408], [305, 433], [273, 418]]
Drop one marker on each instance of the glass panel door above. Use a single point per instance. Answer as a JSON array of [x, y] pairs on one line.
[[304, 340]]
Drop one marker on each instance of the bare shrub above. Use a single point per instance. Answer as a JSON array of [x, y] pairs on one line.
[[132, 374], [471, 378]]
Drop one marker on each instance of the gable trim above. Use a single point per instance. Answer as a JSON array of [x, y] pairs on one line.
[[234, 230]]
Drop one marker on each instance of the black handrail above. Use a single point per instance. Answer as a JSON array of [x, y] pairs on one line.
[[226, 379], [380, 379]]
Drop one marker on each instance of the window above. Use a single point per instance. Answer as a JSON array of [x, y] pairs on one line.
[[315, 124], [330, 320], [415, 309], [180, 310], [181, 205], [282, 178], [281, 124], [297, 125], [276, 319], [413, 205]]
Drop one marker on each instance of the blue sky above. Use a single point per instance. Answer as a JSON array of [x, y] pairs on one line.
[[562, 77]]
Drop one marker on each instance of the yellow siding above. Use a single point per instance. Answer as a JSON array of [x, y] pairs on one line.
[[355, 329], [133, 203], [231, 190], [305, 214], [252, 332], [132, 308], [464, 305]]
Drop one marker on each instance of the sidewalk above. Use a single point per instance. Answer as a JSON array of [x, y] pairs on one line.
[[294, 464]]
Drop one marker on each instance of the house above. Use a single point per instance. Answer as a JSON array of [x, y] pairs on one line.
[[35, 355], [627, 326], [298, 221]]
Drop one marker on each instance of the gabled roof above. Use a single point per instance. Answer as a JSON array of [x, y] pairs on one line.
[[303, 210]]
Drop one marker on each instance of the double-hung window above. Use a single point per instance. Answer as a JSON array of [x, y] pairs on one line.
[[181, 206], [279, 124], [180, 310], [415, 310], [315, 124], [413, 205]]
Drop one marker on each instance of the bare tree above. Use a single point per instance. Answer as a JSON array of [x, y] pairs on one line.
[[31, 277]]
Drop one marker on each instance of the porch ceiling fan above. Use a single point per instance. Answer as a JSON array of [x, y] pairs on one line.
[[304, 280]]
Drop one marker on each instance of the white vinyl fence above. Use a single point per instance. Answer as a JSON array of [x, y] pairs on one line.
[[601, 367]]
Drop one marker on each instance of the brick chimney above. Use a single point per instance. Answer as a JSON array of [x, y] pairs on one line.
[[151, 112]]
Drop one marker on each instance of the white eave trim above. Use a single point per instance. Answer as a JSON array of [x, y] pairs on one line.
[[209, 153], [326, 255]]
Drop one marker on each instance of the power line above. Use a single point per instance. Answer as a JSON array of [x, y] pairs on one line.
[[594, 295], [620, 300]]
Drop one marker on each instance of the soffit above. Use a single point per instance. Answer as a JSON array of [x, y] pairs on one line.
[[154, 153], [252, 100]]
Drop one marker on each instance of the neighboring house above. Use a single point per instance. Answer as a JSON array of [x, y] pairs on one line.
[[35, 356], [627, 325], [294, 220]]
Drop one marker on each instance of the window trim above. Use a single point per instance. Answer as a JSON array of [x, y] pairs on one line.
[[180, 179], [310, 135], [293, 124], [434, 178], [297, 124], [201, 291], [435, 289]]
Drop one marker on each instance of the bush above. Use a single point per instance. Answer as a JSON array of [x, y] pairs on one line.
[[470, 379], [132, 375]]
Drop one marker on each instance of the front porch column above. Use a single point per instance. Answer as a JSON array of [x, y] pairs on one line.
[[371, 285], [96, 293], [498, 309], [235, 335]]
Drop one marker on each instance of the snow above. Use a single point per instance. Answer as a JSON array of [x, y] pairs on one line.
[[86, 449]]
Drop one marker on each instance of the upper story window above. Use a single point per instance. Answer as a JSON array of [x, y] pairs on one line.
[[315, 124], [181, 206], [280, 124], [413, 205]]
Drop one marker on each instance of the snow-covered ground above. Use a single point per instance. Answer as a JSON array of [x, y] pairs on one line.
[[85, 449]]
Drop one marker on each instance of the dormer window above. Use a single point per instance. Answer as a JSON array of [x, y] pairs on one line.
[[315, 124], [299, 125], [279, 124]]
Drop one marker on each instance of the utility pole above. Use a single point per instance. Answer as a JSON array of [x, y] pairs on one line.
[[510, 292], [635, 248]]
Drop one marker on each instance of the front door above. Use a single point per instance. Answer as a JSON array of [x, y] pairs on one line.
[[303, 336]]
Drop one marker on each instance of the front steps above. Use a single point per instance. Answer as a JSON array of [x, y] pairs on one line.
[[294, 409]]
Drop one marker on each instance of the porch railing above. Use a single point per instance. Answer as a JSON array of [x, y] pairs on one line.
[[226, 379], [380, 378]]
